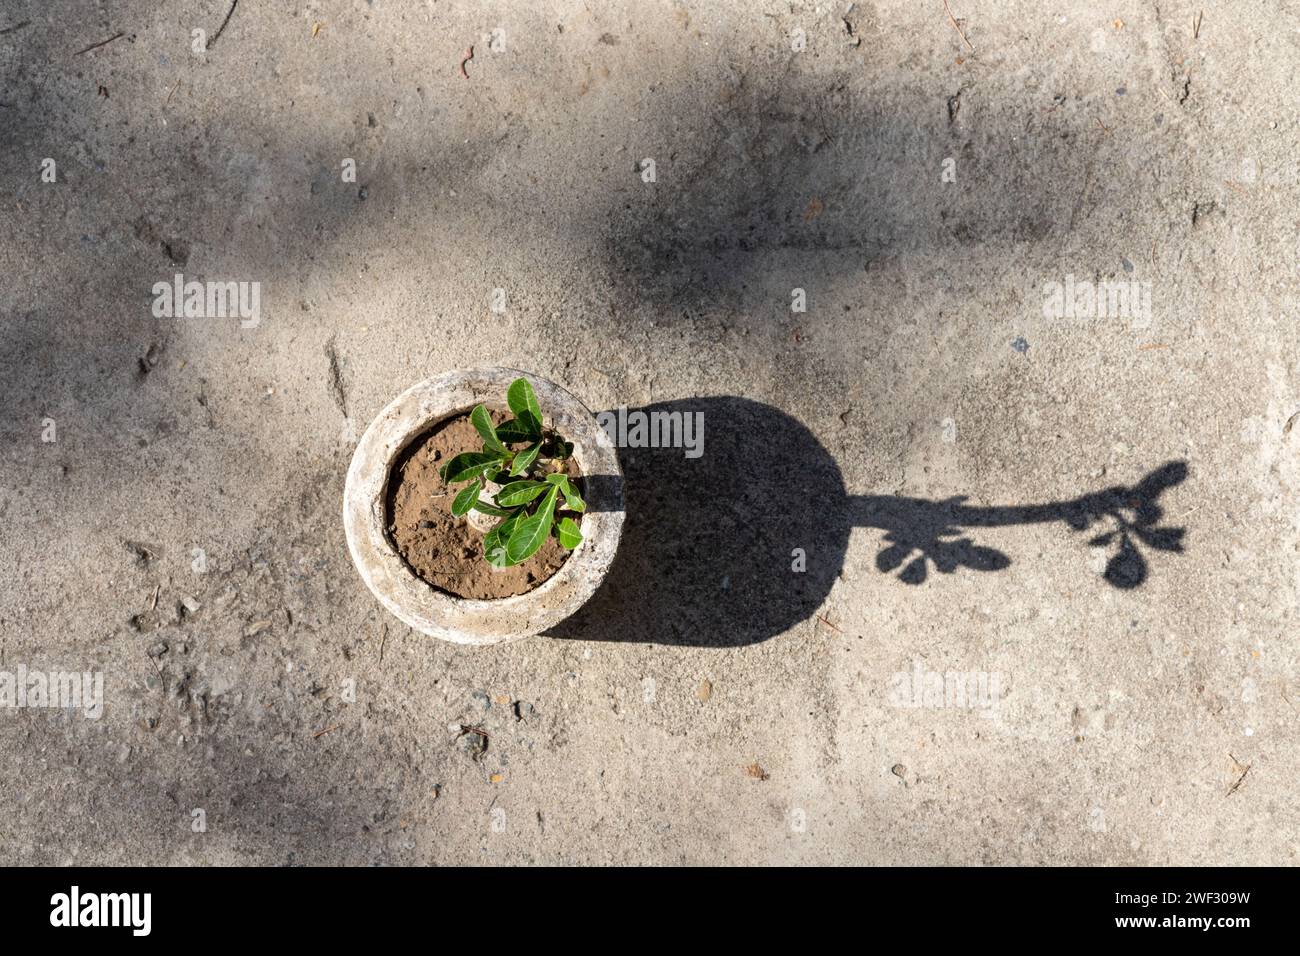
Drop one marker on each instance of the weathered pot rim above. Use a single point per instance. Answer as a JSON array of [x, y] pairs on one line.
[[464, 620]]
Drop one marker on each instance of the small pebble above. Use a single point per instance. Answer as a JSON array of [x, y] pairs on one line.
[[524, 711], [474, 744]]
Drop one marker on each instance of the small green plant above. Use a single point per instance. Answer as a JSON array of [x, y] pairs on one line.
[[530, 484]]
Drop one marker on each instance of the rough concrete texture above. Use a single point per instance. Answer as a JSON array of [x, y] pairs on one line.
[[1106, 141]]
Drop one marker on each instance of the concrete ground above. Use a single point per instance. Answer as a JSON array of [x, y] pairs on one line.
[[170, 488]]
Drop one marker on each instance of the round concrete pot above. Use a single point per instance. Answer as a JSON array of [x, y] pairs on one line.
[[436, 612]]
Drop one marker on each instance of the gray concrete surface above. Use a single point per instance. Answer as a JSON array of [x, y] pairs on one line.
[[291, 720]]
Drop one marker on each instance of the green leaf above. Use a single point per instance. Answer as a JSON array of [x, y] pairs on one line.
[[519, 493], [530, 534], [571, 496], [515, 432], [524, 460], [568, 533], [531, 422], [494, 543], [490, 509], [523, 401], [468, 465], [465, 500], [483, 425]]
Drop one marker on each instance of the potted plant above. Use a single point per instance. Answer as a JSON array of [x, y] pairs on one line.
[[483, 506]]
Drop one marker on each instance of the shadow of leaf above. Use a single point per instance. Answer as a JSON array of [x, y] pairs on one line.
[[1126, 569]]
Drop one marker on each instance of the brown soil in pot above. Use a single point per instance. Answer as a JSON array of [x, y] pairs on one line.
[[444, 550]]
